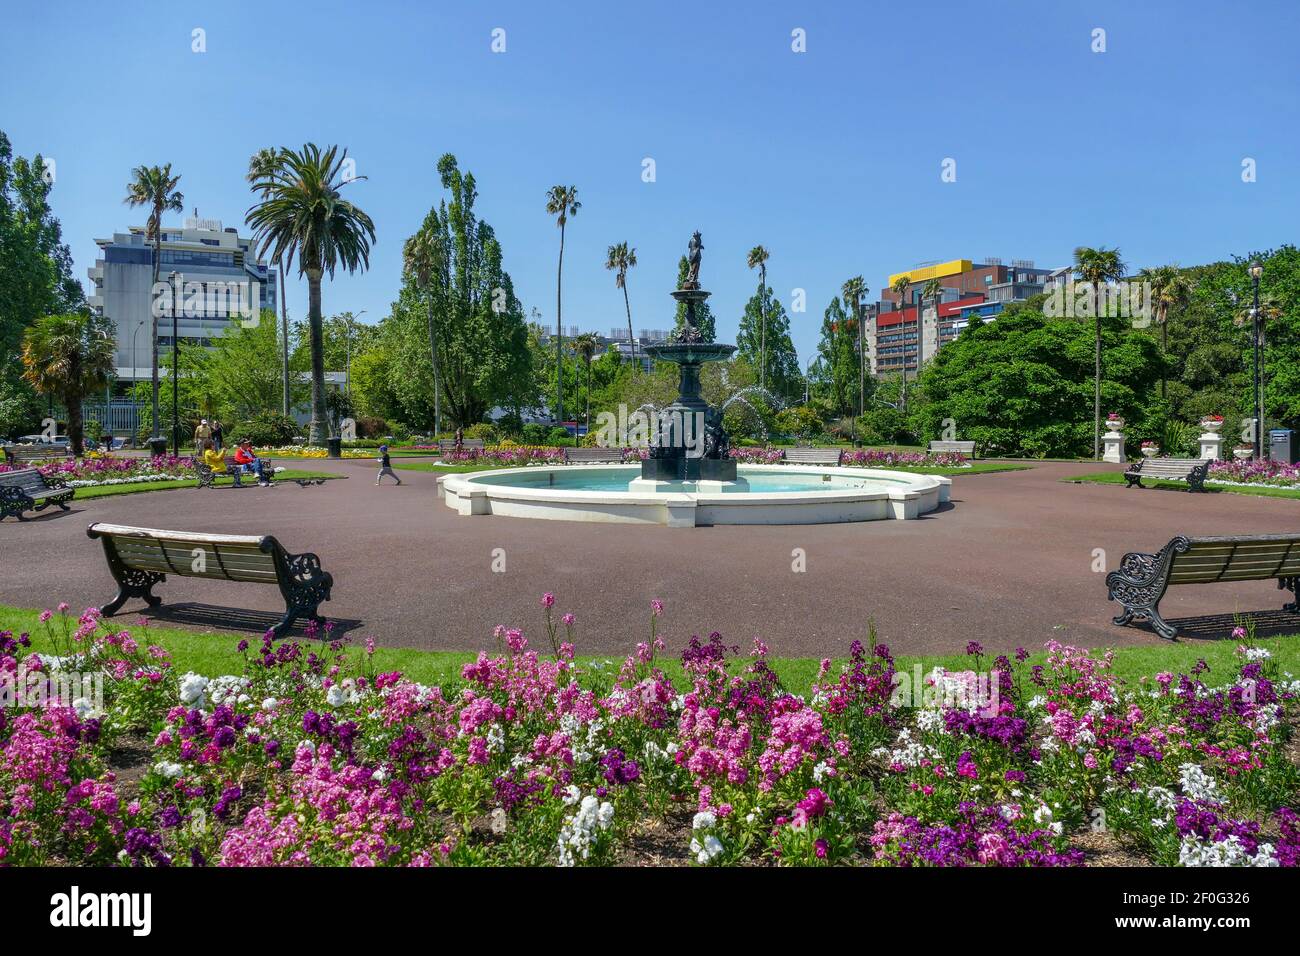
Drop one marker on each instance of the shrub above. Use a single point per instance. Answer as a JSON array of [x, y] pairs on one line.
[[559, 436], [267, 429], [801, 422], [533, 434], [483, 430]]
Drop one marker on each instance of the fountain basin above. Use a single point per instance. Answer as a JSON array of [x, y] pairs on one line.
[[764, 494]]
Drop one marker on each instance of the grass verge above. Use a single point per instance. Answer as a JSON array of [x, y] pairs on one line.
[[105, 491], [214, 654], [1262, 491]]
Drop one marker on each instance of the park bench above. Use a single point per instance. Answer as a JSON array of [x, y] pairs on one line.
[[447, 446], [1190, 470], [1142, 579], [29, 490], [230, 469], [807, 455], [18, 454], [139, 558], [589, 455], [966, 448]]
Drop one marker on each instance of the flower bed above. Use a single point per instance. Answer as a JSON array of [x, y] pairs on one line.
[[859, 458], [93, 472], [310, 757], [514, 456], [314, 451], [1273, 473]]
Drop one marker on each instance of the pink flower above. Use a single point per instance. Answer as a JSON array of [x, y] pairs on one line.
[[548, 600]]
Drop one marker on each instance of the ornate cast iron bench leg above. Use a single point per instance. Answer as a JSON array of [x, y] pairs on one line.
[[1291, 584], [1140, 583], [304, 586], [131, 583], [1134, 479], [14, 502]]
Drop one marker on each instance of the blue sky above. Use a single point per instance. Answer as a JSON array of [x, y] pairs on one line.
[[831, 158]]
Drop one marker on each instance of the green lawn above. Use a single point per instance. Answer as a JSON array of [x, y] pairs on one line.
[[215, 654], [1116, 478], [104, 491]]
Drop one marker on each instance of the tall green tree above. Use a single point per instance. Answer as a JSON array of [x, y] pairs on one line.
[[838, 364], [620, 258], [67, 358], [757, 259], [764, 337], [931, 292], [853, 291], [456, 292], [561, 202], [1097, 267], [302, 214], [421, 256], [261, 166], [903, 286], [155, 188], [1170, 289], [585, 346]]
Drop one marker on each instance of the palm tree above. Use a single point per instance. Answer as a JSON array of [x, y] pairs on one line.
[[931, 292], [1170, 288], [561, 202], [1097, 267], [758, 257], [64, 358], [585, 345], [261, 166], [155, 187], [620, 258], [853, 290], [421, 255], [301, 214], [903, 286]]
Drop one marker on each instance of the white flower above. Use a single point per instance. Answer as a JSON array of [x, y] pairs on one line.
[[270, 703], [703, 820], [169, 769], [706, 850], [496, 739], [1230, 852], [84, 708], [336, 696], [1196, 783], [192, 690], [571, 795]]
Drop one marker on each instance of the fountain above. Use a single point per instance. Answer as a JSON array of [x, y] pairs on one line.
[[690, 443], [689, 478]]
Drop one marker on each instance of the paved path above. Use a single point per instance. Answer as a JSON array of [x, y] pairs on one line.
[[1009, 563]]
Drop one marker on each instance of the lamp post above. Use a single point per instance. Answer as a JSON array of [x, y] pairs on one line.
[[1256, 270], [176, 371]]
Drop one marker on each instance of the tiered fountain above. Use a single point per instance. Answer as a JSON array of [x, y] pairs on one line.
[[689, 478], [690, 443]]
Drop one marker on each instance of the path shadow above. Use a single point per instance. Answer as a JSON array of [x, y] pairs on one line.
[[49, 514], [1219, 627], [237, 619]]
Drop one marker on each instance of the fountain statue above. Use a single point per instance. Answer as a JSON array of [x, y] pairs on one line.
[[689, 441]]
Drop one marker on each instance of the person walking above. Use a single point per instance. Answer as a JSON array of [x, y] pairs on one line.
[[385, 467], [460, 438], [202, 435], [218, 435]]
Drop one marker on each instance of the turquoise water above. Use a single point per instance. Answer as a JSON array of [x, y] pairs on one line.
[[616, 479]]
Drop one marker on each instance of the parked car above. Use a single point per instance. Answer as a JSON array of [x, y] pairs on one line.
[[63, 440]]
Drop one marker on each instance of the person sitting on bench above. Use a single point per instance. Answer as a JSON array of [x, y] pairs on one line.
[[249, 462]]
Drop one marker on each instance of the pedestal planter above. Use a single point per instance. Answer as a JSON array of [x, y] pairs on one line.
[[1150, 451], [1113, 442], [1243, 454], [1212, 446]]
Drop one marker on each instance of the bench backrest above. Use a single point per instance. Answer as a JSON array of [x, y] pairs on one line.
[[249, 558], [813, 456], [469, 444], [1244, 558], [954, 447], [27, 480], [593, 454], [1170, 467], [35, 452]]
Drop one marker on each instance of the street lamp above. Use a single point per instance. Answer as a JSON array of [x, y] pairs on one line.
[[176, 372], [1256, 270]]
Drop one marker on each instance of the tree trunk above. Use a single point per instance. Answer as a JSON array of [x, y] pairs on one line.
[[631, 340], [559, 337], [437, 384], [1164, 350], [762, 348], [319, 427], [76, 429], [1096, 384], [284, 329], [862, 361], [157, 261]]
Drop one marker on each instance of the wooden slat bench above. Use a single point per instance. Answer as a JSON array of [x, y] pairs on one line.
[[17, 454], [588, 455], [1191, 470], [29, 490], [447, 446], [230, 469], [807, 455], [139, 558], [1142, 579], [966, 448]]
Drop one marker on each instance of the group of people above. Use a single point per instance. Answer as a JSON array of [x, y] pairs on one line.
[[209, 445]]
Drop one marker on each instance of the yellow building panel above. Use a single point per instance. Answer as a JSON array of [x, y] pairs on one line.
[[933, 272]]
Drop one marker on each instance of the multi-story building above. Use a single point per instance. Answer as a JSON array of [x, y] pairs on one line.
[[906, 333], [218, 277]]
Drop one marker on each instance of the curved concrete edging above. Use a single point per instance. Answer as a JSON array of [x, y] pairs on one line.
[[915, 495]]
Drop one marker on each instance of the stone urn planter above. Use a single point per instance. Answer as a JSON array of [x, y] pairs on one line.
[[1114, 424], [1212, 425], [1150, 451], [1243, 452]]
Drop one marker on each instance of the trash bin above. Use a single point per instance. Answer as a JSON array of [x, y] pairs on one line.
[[157, 447], [335, 446], [1282, 445]]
